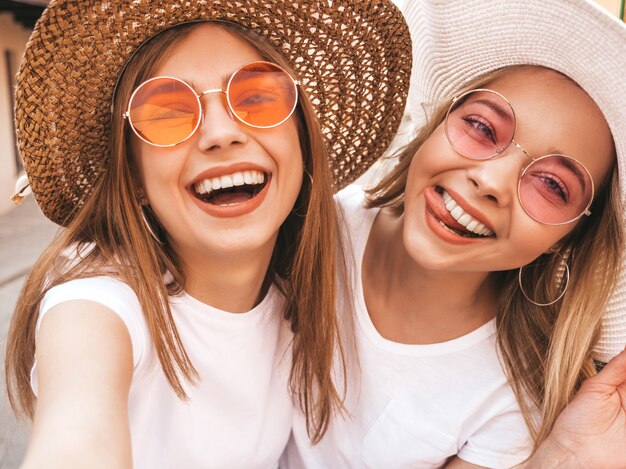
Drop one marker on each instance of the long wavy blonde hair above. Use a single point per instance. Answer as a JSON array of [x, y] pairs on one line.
[[305, 256], [546, 351]]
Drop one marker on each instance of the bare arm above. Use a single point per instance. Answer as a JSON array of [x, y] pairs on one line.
[[84, 365], [591, 431]]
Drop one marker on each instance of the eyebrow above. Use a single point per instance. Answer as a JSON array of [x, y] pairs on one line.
[[573, 167], [495, 108]]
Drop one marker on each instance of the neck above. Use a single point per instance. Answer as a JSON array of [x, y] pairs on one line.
[[412, 304], [234, 282]]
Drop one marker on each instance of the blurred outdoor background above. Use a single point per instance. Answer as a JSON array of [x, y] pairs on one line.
[[24, 231]]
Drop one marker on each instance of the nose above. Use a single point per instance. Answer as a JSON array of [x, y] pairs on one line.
[[496, 179], [218, 129]]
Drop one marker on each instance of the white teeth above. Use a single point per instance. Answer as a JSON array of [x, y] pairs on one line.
[[456, 212], [238, 179], [226, 182], [229, 180], [472, 225], [465, 219]]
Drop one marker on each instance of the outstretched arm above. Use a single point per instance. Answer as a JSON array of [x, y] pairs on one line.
[[591, 431], [84, 370]]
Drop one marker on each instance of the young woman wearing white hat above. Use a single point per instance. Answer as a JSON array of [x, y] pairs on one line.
[[489, 275], [183, 145]]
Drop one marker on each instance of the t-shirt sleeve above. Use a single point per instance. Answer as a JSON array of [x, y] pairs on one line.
[[109, 292], [351, 198], [501, 442]]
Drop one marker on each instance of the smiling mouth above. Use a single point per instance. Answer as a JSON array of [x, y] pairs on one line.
[[455, 219], [231, 189]]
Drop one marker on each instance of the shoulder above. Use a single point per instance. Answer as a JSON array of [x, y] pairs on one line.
[[102, 293], [355, 218], [107, 291], [351, 198]]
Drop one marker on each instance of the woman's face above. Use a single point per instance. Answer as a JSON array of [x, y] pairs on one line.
[[244, 219], [553, 115]]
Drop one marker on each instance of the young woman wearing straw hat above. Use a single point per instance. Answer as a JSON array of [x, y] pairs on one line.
[[489, 275], [190, 149]]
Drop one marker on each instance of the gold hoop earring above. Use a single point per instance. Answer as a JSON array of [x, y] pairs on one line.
[[564, 278], [143, 205], [310, 177]]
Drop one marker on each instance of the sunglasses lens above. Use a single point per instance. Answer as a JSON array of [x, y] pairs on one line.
[[480, 125], [164, 111], [555, 189], [262, 95]]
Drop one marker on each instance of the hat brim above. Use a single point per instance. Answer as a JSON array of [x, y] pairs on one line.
[[353, 59]]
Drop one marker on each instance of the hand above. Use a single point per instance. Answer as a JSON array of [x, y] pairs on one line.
[[591, 431]]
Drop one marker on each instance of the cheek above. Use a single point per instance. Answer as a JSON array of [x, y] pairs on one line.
[[145, 161], [285, 148], [292, 174], [136, 160], [528, 243], [420, 172], [434, 156], [157, 170]]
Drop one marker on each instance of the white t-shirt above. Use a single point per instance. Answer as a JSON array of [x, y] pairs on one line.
[[240, 413], [414, 406]]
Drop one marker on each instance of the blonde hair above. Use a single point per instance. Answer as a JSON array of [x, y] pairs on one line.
[[546, 351], [305, 256]]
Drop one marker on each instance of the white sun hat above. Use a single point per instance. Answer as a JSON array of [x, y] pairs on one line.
[[455, 42]]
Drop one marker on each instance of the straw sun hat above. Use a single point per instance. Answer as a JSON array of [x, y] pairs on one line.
[[353, 59], [455, 42]]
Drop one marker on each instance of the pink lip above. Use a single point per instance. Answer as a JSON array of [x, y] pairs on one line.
[[435, 204], [474, 212], [235, 210], [436, 211], [433, 222]]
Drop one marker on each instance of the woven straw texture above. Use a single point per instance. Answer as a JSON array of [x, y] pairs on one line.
[[353, 59], [454, 42]]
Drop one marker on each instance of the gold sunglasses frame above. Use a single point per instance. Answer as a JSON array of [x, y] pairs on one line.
[[500, 152], [198, 96]]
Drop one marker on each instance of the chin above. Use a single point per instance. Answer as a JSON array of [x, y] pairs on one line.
[[235, 243], [426, 254], [429, 260]]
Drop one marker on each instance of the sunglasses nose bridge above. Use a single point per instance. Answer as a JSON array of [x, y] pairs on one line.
[[516, 145], [224, 101], [521, 148], [211, 90]]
